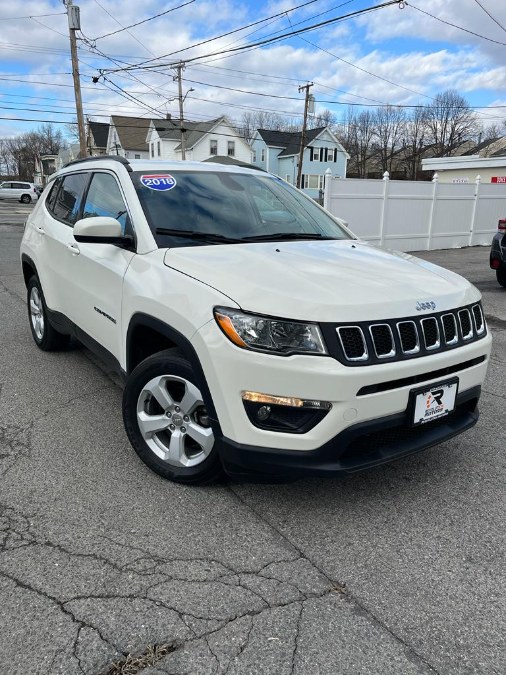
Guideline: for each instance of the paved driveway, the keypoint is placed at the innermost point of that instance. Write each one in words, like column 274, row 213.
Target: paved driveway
column 397, row 571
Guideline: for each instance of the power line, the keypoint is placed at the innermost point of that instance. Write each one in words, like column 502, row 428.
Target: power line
column 231, row 32
column 30, row 16
column 490, row 15
column 453, row 25
column 122, row 27
column 143, row 21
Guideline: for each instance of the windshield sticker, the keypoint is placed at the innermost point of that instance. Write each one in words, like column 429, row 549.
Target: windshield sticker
column 158, row 181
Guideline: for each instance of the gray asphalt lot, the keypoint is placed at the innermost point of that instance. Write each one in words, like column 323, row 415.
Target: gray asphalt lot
column 399, row 570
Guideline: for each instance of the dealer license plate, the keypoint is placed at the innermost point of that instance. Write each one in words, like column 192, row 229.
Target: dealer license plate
column 434, row 402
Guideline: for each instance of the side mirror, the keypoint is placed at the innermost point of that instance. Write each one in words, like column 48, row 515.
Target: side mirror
column 101, row 230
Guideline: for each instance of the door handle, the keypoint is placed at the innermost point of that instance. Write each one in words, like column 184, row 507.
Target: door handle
column 40, row 230
column 74, row 249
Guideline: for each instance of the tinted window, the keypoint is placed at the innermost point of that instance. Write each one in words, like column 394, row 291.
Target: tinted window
column 6, row 185
column 234, row 205
column 105, row 199
column 51, row 198
column 68, row 200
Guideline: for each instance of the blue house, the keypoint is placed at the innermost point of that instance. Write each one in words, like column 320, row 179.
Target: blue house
column 278, row 153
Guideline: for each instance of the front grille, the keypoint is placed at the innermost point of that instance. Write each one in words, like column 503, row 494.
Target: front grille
column 353, row 343
column 369, row 343
column 409, row 337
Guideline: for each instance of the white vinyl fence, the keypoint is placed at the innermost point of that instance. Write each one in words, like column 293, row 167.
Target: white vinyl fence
column 416, row 215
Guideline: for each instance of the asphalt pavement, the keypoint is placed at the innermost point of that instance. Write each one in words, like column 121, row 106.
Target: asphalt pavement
column 398, row 570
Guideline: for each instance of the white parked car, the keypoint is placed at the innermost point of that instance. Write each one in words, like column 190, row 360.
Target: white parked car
column 19, row 190
column 255, row 333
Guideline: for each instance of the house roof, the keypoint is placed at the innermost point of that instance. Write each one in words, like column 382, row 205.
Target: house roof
column 171, row 130
column 100, row 131
column 231, row 161
column 132, row 131
column 288, row 140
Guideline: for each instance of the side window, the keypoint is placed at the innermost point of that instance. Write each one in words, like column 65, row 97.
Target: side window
column 51, row 198
column 68, row 201
column 105, row 199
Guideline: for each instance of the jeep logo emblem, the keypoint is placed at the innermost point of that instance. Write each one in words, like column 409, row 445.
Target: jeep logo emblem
column 420, row 306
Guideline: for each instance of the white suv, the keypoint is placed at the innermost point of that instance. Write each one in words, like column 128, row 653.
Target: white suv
column 16, row 189
column 255, row 333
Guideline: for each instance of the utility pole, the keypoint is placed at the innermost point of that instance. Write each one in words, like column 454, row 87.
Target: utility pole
column 303, row 135
column 73, row 13
column 180, row 67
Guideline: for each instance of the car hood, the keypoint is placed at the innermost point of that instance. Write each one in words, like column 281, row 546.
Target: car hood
column 322, row 280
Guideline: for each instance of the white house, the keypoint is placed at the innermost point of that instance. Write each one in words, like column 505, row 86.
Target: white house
column 464, row 169
column 127, row 137
column 203, row 140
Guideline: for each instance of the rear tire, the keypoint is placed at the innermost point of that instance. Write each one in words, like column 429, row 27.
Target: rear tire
column 501, row 277
column 45, row 336
column 25, row 199
column 167, row 422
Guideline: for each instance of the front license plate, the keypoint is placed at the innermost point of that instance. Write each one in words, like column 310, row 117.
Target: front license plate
column 434, row 402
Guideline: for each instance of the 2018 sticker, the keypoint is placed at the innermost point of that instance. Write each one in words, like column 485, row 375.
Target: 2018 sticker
column 158, row 181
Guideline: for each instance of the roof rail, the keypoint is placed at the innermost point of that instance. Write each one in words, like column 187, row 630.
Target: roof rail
column 115, row 158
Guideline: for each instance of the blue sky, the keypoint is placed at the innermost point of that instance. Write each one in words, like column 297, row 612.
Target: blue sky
column 391, row 55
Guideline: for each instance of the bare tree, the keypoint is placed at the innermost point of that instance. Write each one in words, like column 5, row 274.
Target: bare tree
column 389, row 126
column 450, row 122
column 326, row 118
column 414, row 142
column 357, row 137
column 251, row 121
column 20, row 151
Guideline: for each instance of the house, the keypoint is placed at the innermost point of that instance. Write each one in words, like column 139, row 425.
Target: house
column 466, row 168
column 278, row 153
column 127, row 137
column 96, row 138
column 203, row 140
column 67, row 154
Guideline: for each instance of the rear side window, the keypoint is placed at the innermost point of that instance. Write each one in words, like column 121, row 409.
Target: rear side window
column 105, row 199
column 51, row 198
column 69, row 197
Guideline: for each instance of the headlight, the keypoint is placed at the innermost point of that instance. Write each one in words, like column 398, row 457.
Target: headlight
column 265, row 334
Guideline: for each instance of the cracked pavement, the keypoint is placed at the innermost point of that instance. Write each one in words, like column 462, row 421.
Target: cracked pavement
column 399, row 570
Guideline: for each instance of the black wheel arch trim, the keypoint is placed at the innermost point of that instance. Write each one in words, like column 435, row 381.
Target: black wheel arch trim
column 182, row 343
column 26, row 259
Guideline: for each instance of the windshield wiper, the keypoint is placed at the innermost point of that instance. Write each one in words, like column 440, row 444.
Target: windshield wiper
column 276, row 236
column 201, row 236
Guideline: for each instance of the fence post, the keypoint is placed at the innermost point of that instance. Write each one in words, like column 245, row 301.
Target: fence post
column 435, row 181
column 386, row 183
column 475, row 208
column 326, row 189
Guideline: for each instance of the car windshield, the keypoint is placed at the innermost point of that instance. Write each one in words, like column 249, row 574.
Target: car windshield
column 192, row 208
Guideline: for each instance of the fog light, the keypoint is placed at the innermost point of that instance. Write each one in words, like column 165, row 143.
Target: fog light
column 263, row 413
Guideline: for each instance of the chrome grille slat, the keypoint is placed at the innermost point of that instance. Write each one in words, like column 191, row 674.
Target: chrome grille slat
column 353, row 342
column 430, row 331
column 479, row 321
column 408, row 335
column 383, row 340
column 466, row 325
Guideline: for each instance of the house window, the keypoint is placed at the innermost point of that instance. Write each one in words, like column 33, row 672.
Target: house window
column 137, row 156
column 316, row 154
column 262, row 157
column 288, row 178
column 312, row 181
column 254, row 156
column 158, row 148
column 330, row 155
column 231, row 148
column 152, row 148
column 321, row 182
column 213, row 147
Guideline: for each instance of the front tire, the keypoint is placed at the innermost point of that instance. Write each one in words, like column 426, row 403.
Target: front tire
column 501, row 277
column 167, row 422
column 25, row 199
column 45, row 336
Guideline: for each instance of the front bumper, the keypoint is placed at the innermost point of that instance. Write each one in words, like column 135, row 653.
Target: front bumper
column 358, row 447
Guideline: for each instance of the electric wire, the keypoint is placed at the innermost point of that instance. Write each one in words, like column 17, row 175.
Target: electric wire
column 490, row 15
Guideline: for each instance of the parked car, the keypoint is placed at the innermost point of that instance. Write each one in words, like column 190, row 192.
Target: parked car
column 23, row 192
column 498, row 252
column 255, row 333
